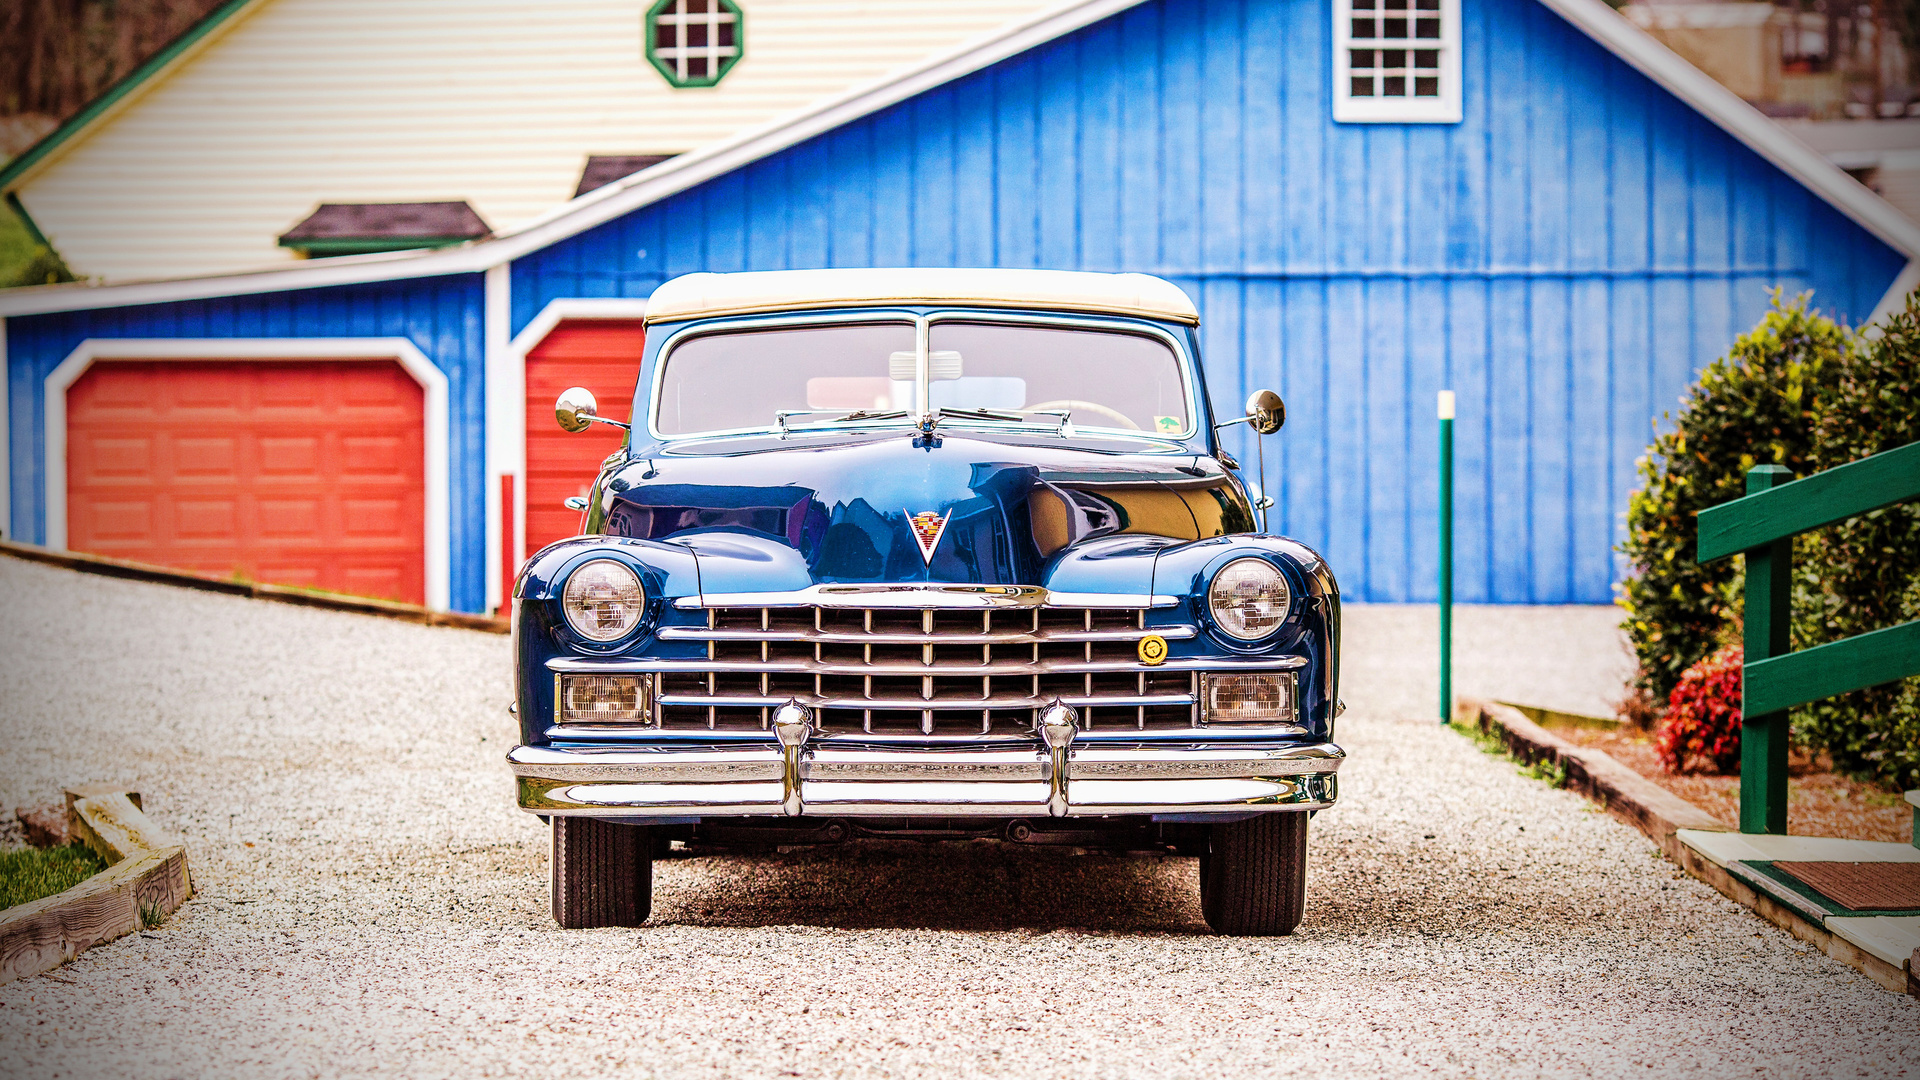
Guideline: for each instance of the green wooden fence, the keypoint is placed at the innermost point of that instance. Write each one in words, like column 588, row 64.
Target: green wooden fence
column 1762, row 526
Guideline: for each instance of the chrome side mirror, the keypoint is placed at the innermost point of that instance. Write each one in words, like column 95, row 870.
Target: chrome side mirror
column 1265, row 411
column 576, row 409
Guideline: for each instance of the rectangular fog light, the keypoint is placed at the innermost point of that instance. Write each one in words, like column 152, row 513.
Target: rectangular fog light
column 605, row 699
column 1247, row 699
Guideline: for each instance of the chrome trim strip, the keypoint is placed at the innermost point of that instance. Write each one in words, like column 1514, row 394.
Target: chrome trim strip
column 1119, row 734
column 543, row 796
column 1000, row 670
column 751, row 762
column 891, row 312
column 998, row 701
column 1187, row 363
column 918, row 595
column 646, row 693
column 992, row 637
column 574, row 665
column 962, row 798
column 1110, row 762
column 831, row 763
column 763, row 760
column 748, row 780
column 1103, row 797
column 874, row 315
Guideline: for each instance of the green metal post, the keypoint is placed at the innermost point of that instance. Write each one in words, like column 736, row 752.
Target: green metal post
column 1446, row 556
column 1768, row 606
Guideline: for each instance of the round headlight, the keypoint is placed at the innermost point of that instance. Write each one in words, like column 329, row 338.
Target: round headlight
column 1249, row 599
column 603, row 600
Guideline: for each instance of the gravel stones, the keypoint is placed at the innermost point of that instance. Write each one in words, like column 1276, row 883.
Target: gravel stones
column 369, row 902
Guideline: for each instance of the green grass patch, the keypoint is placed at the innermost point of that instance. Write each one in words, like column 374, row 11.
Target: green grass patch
column 28, row 874
column 1553, row 772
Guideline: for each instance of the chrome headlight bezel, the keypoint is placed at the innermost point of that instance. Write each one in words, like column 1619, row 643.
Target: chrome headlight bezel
column 622, row 594
column 596, row 699
column 1236, row 627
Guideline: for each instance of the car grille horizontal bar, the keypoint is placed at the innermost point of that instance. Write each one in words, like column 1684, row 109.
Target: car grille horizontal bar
column 941, row 671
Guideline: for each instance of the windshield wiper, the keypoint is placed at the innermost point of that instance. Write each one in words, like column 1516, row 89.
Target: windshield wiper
column 1063, row 418
column 780, row 417
column 862, row 414
column 985, row 414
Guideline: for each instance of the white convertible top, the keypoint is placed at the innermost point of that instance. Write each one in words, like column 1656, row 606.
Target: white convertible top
column 701, row 295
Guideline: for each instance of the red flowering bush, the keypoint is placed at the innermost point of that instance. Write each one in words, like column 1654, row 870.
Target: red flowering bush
column 1703, row 716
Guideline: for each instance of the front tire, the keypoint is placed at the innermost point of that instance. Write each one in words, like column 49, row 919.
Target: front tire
column 602, row 873
column 1253, row 878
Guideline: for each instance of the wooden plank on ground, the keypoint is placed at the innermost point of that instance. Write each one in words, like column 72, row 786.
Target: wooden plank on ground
column 146, row 881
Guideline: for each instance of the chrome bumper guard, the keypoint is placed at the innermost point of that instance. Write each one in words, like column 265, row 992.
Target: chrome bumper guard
column 792, row 778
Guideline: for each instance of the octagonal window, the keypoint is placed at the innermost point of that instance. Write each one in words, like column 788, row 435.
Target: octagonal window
column 694, row 42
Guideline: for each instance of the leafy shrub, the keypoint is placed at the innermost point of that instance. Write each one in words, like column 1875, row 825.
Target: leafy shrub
column 1864, row 573
column 1703, row 716
column 1757, row 405
column 1807, row 394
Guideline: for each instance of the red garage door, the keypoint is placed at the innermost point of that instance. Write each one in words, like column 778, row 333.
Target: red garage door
column 602, row 355
column 292, row 472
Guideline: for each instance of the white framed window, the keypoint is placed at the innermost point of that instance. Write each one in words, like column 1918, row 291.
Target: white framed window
column 1396, row 61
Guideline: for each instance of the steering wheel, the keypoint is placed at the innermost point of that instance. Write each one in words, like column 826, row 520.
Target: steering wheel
column 1076, row 405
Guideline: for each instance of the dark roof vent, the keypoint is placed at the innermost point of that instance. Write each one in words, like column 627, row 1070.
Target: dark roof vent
column 601, row 171
column 359, row 228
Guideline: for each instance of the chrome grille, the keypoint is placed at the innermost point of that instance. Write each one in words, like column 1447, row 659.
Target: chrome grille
column 943, row 671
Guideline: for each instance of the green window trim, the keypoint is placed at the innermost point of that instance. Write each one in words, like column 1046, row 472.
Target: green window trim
column 320, row 249
column 694, row 43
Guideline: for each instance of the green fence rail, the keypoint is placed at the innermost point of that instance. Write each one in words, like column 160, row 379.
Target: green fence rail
column 1774, row 679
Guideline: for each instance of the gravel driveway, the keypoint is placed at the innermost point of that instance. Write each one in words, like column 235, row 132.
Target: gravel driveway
column 370, row 902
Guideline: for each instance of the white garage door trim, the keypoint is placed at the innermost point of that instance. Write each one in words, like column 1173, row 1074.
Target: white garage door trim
column 511, row 390
column 433, row 384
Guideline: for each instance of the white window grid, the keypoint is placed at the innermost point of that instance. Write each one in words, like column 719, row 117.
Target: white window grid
column 1396, row 61
column 695, row 39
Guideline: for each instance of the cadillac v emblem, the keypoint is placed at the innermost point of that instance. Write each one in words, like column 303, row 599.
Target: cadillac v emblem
column 927, row 527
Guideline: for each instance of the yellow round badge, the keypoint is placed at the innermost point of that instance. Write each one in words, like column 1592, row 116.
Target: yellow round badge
column 1153, row 649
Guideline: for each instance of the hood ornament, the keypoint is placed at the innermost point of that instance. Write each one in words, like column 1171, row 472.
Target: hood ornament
column 927, row 528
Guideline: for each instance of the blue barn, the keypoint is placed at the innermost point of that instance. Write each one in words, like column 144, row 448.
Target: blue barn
column 1527, row 201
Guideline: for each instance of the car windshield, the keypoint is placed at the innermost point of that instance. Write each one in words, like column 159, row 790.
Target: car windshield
column 986, row 372
column 1102, row 378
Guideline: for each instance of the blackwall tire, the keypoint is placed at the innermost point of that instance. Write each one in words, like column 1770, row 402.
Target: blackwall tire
column 1253, row 879
column 602, row 873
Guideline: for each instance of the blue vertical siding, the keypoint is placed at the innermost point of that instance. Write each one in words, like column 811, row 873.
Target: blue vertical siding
column 442, row 316
column 1566, row 257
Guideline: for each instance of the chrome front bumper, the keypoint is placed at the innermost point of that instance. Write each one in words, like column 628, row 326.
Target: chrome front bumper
column 833, row 781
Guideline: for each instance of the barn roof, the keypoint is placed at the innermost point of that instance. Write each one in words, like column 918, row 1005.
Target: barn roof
column 392, row 225
column 1592, row 17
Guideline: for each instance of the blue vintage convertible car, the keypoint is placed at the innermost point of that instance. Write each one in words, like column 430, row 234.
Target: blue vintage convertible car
column 930, row 554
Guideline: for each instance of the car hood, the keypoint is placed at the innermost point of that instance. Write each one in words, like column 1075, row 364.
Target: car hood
column 770, row 515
